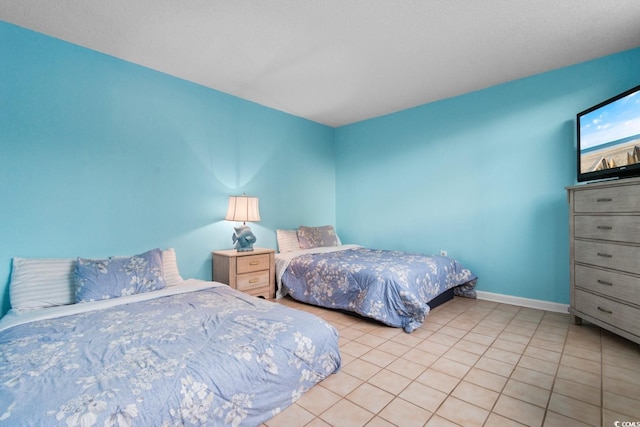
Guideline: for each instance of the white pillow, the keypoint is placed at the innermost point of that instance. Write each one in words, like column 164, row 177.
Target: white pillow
column 170, row 268
column 287, row 240
column 42, row 282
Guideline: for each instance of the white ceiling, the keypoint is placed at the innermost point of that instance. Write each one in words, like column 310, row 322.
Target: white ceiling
column 340, row 61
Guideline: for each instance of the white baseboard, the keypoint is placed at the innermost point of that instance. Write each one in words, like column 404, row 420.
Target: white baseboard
column 524, row 302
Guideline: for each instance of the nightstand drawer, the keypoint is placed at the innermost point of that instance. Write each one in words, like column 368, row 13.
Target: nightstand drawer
column 262, row 292
column 253, row 273
column 249, row 264
column 253, row 280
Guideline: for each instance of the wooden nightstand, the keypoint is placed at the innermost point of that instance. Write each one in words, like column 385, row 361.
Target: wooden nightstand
column 252, row 272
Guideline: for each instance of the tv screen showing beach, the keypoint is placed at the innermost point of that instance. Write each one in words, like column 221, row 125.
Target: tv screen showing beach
column 610, row 135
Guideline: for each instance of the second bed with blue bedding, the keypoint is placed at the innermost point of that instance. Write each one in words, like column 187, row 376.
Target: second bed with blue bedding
column 392, row 287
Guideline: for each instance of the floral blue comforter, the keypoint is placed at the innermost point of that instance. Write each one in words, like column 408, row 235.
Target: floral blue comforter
column 213, row 357
column 390, row 286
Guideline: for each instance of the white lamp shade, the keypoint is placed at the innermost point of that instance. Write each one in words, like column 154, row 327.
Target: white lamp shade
column 243, row 208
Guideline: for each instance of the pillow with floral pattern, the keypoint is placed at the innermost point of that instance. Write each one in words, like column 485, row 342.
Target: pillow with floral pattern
column 316, row 237
column 98, row 279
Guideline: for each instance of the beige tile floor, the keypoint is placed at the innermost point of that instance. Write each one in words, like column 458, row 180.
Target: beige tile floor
column 473, row 363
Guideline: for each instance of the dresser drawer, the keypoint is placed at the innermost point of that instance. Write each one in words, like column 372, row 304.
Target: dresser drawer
column 623, row 228
column 620, row 315
column 608, row 255
column 251, row 263
column 623, row 198
column 250, row 281
column 615, row 285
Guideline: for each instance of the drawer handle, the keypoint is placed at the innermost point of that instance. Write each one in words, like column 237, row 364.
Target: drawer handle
column 602, row 282
column 254, row 262
column 605, row 255
column 254, row 280
column 604, row 310
column 604, row 227
column 605, row 199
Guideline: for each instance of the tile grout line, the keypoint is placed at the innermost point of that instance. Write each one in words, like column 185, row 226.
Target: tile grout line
column 545, row 337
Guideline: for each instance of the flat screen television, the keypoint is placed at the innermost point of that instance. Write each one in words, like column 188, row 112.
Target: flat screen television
column 609, row 138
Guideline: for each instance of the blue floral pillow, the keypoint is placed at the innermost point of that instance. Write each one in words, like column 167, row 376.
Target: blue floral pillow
column 98, row 279
column 316, row 237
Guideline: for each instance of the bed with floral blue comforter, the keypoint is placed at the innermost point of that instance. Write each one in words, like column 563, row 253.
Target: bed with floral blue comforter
column 389, row 286
column 204, row 356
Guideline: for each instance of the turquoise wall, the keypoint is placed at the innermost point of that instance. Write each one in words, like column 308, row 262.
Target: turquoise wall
column 481, row 175
column 103, row 157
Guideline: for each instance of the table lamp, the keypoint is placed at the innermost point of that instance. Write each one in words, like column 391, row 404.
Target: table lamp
column 242, row 209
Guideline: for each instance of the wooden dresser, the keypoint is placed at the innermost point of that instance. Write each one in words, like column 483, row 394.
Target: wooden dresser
column 252, row 272
column 604, row 226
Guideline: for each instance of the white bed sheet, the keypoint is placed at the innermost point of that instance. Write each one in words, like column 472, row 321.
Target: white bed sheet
column 13, row 317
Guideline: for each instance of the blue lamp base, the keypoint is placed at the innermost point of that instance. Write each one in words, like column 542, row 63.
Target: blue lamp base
column 243, row 238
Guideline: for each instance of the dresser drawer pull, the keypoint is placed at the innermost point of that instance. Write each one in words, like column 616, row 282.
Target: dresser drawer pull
column 254, row 262
column 602, row 282
column 604, row 227
column 605, row 255
column 604, row 199
column 604, row 310
column 254, row 280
